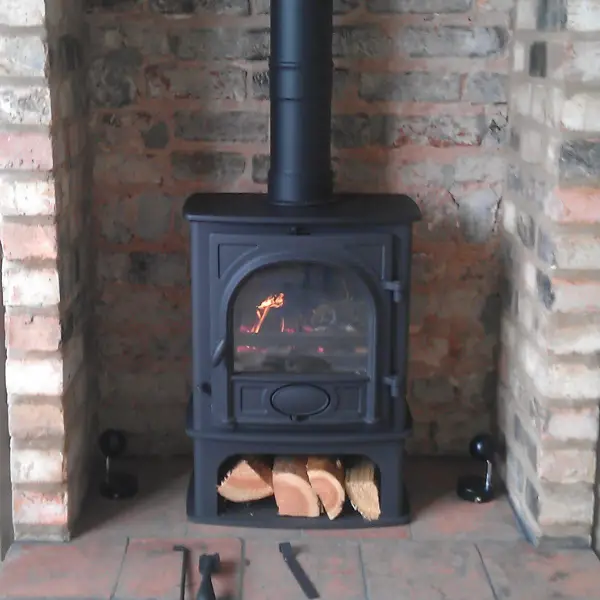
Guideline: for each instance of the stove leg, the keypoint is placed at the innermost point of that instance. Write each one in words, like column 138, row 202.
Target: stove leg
column 391, row 491
column 206, row 470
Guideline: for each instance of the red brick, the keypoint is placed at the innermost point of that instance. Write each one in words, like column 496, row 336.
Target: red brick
column 576, row 205
column 32, row 332
column 40, row 508
column 122, row 169
column 429, row 350
column 573, row 295
column 78, row 570
column 39, row 465
column 569, row 465
column 152, row 568
column 27, row 198
column 28, row 421
column 571, row 424
column 27, row 284
column 26, row 151
column 21, row 240
column 35, row 376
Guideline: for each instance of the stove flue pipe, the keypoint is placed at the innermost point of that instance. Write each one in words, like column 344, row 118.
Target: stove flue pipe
column 301, row 73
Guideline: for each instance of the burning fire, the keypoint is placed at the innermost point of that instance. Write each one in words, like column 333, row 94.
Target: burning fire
column 262, row 310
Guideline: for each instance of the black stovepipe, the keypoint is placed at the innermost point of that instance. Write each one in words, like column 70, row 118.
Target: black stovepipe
column 301, row 74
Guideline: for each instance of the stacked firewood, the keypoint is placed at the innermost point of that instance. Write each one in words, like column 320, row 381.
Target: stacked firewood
column 305, row 486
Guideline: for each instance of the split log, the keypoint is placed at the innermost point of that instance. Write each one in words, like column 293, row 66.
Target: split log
column 250, row 479
column 362, row 489
column 327, row 479
column 294, row 495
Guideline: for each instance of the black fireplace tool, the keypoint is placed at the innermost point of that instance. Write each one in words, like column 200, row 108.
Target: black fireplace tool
column 208, row 565
column 297, row 571
column 475, row 488
column 185, row 560
column 115, row 485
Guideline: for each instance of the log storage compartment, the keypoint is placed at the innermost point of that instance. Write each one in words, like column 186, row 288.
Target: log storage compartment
column 300, row 302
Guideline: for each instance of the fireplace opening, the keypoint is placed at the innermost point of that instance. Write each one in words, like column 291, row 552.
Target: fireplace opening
column 302, row 318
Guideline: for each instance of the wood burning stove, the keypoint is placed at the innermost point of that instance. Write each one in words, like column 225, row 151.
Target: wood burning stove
column 300, row 300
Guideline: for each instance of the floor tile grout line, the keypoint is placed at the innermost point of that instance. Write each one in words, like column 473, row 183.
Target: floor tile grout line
column 240, row 594
column 485, row 570
column 362, row 570
column 52, row 598
column 120, row 570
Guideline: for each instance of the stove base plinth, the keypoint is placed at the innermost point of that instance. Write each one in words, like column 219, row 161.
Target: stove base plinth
column 263, row 514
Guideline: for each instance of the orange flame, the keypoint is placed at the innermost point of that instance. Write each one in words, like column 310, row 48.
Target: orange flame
column 262, row 310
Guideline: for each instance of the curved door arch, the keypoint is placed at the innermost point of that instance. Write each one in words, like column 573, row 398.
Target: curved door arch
column 301, row 310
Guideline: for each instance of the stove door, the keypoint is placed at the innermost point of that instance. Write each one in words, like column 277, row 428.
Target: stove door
column 300, row 328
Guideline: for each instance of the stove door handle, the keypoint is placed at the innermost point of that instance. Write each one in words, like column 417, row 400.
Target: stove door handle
column 219, row 353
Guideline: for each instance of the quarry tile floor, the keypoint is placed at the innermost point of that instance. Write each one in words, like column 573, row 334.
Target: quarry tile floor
column 452, row 550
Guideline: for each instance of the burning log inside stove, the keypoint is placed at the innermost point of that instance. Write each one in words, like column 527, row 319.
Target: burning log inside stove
column 305, row 487
column 334, row 316
column 288, row 336
column 263, row 309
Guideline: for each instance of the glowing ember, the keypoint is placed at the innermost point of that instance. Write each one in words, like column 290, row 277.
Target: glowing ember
column 253, row 349
column 242, row 349
column 262, row 310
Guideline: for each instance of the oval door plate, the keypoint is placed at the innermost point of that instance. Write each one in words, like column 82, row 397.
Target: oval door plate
column 300, row 400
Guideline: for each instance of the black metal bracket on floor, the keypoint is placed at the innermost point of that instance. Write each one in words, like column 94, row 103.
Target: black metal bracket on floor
column 185, row 559
column 297, row 571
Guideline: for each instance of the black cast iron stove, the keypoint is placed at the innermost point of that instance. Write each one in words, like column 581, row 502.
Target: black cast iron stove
column 300, row 301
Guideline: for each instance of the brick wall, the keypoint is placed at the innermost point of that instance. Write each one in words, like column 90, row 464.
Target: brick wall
column 6, row 518
column 179, row 91
column 551, row 328
column 46, row 266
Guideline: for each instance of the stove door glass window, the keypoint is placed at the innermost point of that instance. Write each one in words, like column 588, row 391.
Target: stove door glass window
column 302, row 318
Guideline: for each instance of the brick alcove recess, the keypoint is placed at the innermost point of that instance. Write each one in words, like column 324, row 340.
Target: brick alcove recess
column 114, row 110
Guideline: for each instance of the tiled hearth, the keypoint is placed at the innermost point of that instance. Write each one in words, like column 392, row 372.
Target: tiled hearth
column 465, row 551
column 483, row 111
